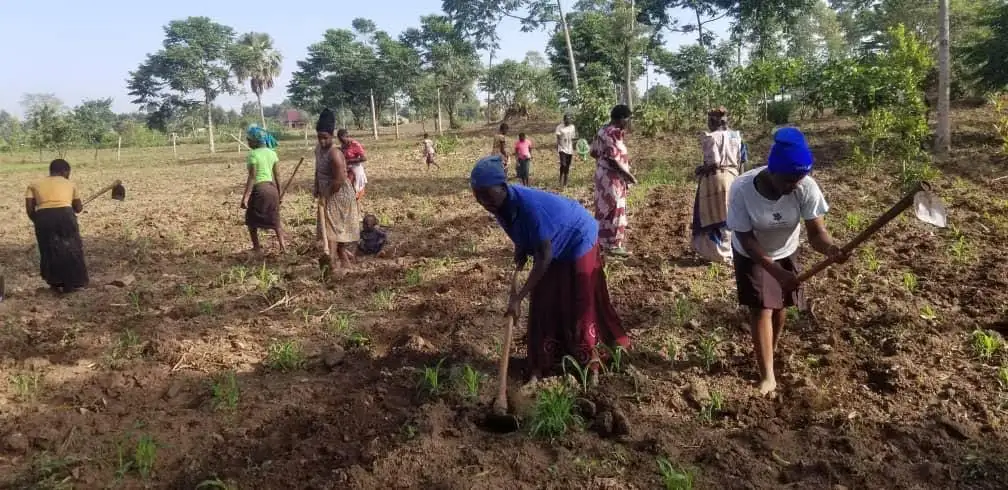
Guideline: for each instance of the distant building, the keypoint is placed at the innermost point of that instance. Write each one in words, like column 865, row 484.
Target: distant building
column 292, row 118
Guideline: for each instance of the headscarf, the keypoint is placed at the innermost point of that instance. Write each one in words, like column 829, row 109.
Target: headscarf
column 488, row 172
column 326, row 122
column 260, row 135
column 789, row 154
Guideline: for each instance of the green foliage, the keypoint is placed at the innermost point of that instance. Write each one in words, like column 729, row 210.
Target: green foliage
column 431, row 380
column 225, row 391
column 49, row 125
column 779, row 112
column 712, row 407
column 26, row 386
column 469, row 381
column 986, row 343
column 708, row 347
column 284, row 356
column 910, row 281
column 674, row 478
column 518, row 87
column 583, row 372
column 554, row 412
column 94, row 120
column 194, row 58
column 253, row 58
column 447, row 57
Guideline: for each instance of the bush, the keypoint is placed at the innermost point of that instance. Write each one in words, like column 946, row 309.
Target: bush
column 779, row 112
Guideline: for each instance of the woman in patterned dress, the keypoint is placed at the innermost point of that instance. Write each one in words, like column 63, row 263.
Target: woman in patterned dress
column 336, row 194
column 612, row 181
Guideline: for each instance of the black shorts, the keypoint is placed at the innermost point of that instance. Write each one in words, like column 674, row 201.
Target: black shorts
column 758, row 289
column 565, row 161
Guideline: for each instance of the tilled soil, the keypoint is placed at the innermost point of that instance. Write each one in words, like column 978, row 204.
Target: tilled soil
column 880, row 386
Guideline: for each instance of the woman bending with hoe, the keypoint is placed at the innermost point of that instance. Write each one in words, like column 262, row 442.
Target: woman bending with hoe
column 52, row 204
column 333, row 188
column 766, row 208
column 261, row 200
column 569, row 308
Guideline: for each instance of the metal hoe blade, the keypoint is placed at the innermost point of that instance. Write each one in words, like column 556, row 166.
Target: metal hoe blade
column 930, row 209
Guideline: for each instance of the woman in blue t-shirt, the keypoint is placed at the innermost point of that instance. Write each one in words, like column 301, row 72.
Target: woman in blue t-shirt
column 569, row 308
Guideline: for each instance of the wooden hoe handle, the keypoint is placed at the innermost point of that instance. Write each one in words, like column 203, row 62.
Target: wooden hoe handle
column 867, row 233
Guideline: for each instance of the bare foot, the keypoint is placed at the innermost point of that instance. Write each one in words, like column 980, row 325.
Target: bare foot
column 767, row 387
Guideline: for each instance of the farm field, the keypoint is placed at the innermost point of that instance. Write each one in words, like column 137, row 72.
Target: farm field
column 191, row 363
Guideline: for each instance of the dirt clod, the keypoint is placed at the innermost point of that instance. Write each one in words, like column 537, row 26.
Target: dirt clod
column 17, row 443
column 123, row 281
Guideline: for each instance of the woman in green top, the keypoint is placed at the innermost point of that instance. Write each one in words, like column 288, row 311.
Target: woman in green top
column 261, row 200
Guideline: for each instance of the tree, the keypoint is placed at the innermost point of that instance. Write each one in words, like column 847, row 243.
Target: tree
column 47, row 123
column 943, row 135
column 478, row 19
column 448, row 57
column 193, row 60
column 989, row 56
column 253, row 58
column 11, row 132
column 600, row 37
column 345, row 67
column 94, row 120
column 517, row 86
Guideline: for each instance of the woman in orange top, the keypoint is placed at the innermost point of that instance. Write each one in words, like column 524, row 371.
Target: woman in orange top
column 52, row 204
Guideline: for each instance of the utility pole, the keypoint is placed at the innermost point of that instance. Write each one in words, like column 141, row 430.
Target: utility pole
column 943, row 137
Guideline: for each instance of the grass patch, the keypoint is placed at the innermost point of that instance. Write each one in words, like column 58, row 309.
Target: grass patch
column 140, row 460
column 985, row 344
column 125, row 345
column 430, row 382
column 339, row 323
column 469, row 382
column 284, row 356
column 675, row 478
column 225, row 391
column 910, row 282
column 713, row 407
column 708, row 347
column 26, row 386
column 414, row 276
column 870, row 259
column 356, row 340
column 383, row 300
column 554, row 413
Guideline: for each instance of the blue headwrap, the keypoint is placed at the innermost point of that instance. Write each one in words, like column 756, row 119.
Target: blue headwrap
column 255, row 133
column 488, row 172
column 789, row 154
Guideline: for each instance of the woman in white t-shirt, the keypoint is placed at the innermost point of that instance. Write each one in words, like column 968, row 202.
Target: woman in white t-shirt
column 766, row 208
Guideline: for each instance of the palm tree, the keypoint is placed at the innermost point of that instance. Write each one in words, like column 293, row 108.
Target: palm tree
column 257, row 61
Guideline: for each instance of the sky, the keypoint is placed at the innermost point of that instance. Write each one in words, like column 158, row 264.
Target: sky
column 85, row 50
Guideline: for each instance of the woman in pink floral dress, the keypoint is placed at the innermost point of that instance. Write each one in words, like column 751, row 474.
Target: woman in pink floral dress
column 612, row 181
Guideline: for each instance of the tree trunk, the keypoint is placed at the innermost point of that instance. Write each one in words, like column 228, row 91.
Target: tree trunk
column 943, row 137
column 489, row 99
column 262, row 115
column 629, row 57
column 96, row 153
column 209, row 118
column 570, row 47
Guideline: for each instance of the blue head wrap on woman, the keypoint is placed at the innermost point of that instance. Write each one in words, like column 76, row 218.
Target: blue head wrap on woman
column 488, row 172
column 790, row 154
column 260, row 135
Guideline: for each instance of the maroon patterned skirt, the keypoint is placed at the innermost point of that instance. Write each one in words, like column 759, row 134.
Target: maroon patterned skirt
column 570, row 314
